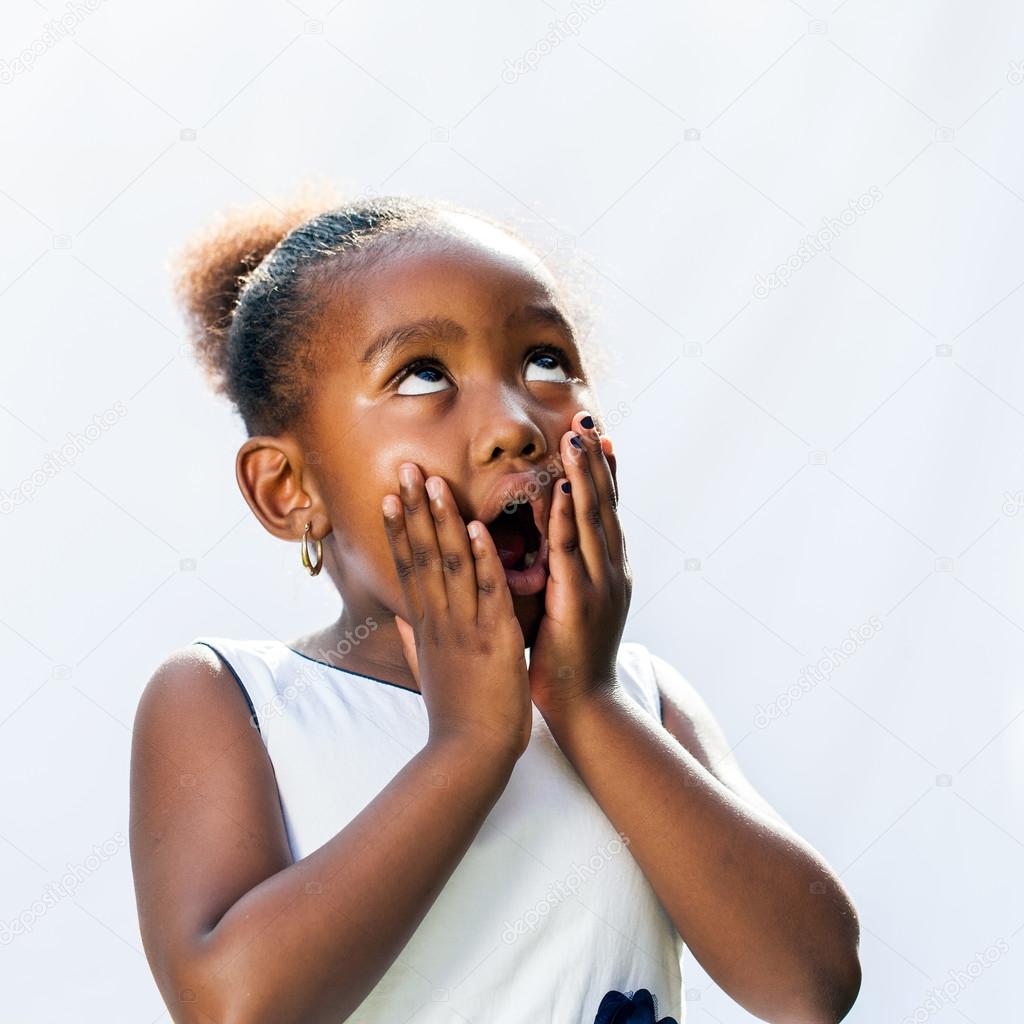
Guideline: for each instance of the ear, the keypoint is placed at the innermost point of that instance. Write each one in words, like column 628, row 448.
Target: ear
column 279, row 488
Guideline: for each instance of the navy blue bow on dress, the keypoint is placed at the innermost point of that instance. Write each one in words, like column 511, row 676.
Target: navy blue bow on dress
column 618, row 1008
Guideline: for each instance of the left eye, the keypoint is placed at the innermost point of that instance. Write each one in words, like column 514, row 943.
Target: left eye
column 421, row 376
column 424, row 379
column 553, row 364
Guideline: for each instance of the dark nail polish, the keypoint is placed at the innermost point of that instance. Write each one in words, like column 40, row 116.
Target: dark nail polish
column 566, row 487
column 575, row 441
column 587, row 423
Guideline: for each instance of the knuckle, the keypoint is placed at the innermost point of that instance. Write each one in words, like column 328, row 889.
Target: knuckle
column 486, row 586
column 569, row 545
column 453, row 563
column 422, row 557
column 592, row 516
column 405, row 567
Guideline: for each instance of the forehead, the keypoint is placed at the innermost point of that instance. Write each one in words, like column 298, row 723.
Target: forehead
column 468, row 271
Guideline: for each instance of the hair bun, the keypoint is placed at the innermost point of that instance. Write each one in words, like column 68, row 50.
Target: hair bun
column 211, row 268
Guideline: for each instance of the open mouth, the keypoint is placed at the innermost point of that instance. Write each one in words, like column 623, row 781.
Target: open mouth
column 522, row 549
column 516, row 537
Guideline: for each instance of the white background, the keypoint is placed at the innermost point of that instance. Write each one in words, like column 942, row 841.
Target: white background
column 849, row 445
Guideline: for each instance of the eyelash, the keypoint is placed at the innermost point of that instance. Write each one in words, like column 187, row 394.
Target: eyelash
column 424, row 361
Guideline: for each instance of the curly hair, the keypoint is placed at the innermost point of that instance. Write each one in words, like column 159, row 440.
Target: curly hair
column 252, row 282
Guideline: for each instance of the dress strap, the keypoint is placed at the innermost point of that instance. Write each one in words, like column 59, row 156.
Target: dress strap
column 244, row 659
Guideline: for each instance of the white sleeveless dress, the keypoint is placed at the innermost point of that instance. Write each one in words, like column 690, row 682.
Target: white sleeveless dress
column 546, row 913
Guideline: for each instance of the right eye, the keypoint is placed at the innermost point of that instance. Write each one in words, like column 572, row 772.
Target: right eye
column 421, row 377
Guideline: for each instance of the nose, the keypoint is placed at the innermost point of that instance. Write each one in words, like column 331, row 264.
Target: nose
column 507, row 429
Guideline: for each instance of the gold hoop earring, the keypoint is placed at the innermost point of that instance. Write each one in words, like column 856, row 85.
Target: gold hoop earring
column 313, row 569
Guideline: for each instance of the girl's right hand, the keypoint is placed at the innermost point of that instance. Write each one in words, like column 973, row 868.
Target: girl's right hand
column 466, row 648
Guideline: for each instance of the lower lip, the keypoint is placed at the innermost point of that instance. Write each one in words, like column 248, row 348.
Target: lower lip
column 524, row 582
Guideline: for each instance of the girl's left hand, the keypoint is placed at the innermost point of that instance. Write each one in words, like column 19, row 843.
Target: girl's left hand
column 589, row 583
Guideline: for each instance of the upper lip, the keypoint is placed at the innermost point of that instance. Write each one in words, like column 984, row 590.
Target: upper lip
column 517, row 489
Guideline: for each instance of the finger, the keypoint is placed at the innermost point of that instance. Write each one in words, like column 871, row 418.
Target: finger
column 408, row 637
column 565, row 563
column 494, row 599
column 419, row 524
column 589, row 527
column 401, row 552
column 605, row 485
column 609, row 454
column 453, row 543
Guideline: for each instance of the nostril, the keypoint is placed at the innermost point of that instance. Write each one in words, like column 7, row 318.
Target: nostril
column 529, row 449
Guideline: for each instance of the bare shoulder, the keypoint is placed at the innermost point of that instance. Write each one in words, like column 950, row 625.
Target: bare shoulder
column 205, row 823
column 192, row 711
column 688, row 717
column 187, row 675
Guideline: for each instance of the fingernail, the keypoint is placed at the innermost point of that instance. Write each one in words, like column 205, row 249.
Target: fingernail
column 406, row 475
column 474, row 530
column 587, row 423
column 575, row 441
column 566, row 487
column 434, row 488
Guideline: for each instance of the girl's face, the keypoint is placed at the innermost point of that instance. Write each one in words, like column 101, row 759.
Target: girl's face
column 457, row 356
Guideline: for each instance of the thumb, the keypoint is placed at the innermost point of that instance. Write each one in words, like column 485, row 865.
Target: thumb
column 408, row 646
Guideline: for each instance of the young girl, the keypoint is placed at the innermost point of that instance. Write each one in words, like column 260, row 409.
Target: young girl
column 466, row 799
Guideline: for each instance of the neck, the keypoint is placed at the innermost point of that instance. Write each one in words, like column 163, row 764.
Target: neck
column 366, row 640
column 366, row 643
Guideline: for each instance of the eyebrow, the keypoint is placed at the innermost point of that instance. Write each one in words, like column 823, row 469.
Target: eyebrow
column 442, row 328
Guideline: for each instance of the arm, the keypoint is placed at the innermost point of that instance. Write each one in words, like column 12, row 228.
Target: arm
column 761, row 910
column 233, row 929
